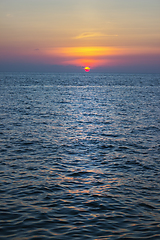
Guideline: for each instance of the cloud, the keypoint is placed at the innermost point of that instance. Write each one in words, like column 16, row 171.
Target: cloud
column 93, row 34
column 8, row 15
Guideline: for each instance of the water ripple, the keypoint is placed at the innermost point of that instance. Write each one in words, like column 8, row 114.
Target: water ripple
column 79, row 156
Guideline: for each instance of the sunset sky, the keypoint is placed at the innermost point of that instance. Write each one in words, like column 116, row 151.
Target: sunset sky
column 68, row 35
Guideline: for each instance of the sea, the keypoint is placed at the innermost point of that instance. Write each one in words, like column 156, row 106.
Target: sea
column 79, row 156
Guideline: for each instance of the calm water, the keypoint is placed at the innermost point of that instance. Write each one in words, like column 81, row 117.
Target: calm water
column 79, row 156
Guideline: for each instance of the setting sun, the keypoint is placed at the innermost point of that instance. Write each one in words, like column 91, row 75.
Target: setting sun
column 87, row 69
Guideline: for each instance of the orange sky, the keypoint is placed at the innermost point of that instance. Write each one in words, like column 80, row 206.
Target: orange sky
column 97, row 33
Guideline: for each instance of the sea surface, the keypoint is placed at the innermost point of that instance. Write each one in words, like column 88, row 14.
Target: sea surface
column 79, row 156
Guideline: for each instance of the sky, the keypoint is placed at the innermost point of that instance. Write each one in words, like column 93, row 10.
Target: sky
column 68, row 35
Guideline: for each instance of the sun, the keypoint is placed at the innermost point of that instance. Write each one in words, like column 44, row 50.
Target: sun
column 87, row 69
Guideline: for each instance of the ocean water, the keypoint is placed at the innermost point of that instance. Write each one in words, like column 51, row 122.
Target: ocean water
column 79, row 156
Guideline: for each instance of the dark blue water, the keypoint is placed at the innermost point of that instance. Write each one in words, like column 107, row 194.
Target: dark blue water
column 80, row 156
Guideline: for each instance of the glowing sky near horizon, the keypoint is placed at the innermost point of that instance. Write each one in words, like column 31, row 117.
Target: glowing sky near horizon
column 94, row 33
